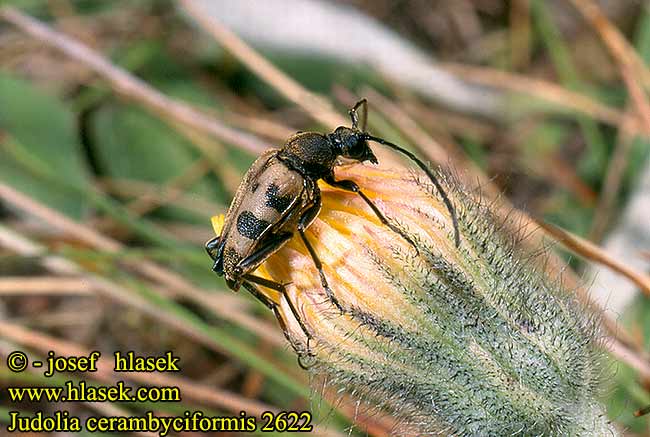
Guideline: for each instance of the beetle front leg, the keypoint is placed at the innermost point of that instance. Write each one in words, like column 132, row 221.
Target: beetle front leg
column 352, row 186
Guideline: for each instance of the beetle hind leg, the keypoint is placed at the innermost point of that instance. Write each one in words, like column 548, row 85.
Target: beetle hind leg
column 281, row 289
column 252, row 289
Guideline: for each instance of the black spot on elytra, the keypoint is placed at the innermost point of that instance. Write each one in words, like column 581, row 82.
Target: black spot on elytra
column 275, row 201
column 255, row 186
column 250, row 226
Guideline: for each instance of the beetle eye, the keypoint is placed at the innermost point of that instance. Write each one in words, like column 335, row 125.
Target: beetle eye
column 357, row 148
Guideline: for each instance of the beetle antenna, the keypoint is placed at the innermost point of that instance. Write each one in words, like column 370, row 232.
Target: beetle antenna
column 432, row 177
column 354, row 115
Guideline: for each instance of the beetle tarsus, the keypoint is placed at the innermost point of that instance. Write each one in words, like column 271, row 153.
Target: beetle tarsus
column 306, row 365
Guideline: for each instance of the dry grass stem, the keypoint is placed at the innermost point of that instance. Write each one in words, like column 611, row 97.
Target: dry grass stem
column 520, row 34
column 129, row 188
column 116, row 292
column 44, row 285
column 130, row 86
column 171, row 191
column 147, row 268
column 638, row 97
column 564, row 174
column 590, row 251
column 616, row 167
column 426, row 145
column 540, row 89
column 631, row 66
column 317, row 107
column 260, row 126
column 213, row 153
column 458, row 124
column 629, row 356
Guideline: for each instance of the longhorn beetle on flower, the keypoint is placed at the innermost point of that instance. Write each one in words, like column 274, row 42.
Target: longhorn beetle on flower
column 279, row 196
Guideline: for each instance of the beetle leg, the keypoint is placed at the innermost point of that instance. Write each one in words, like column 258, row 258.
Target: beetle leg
column 319, row 266
column 281, row 289
column 305, row 220
column 271, row 245
column 252, row 289
column 352, row 186
column 252, row 261
column 212, row 247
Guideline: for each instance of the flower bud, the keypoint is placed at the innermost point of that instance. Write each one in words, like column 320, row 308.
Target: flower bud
column 464, row 341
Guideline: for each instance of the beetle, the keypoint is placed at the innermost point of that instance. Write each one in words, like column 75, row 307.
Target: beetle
column 279, row 195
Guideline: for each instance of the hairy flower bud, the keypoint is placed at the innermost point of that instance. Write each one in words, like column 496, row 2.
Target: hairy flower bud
column 454, row 341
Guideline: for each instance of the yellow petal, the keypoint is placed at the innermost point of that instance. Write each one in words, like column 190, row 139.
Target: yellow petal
column 217, row 223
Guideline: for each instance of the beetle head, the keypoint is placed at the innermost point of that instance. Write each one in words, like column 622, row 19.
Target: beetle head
column 353, row 144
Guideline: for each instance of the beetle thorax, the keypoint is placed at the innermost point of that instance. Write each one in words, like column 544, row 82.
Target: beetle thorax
column 310, row 153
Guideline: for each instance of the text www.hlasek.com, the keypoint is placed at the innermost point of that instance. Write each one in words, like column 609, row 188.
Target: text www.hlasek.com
column 82, row 392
